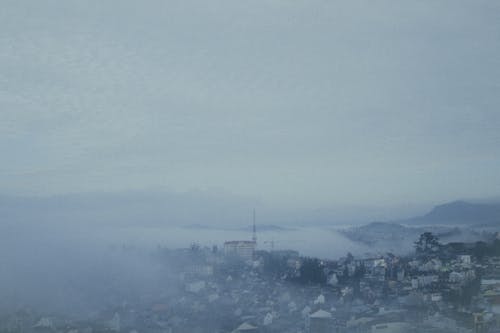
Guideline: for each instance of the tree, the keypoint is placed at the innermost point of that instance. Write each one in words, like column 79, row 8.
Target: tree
column 480, row 250
column 427, row 244
column 273, row 264
column 312, row 271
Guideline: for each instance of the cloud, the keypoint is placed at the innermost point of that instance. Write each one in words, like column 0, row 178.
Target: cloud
column 323, row 99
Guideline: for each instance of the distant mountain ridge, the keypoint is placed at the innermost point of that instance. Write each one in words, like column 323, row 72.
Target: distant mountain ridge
column 460, row 213
column 460, row 221
column 128, row 208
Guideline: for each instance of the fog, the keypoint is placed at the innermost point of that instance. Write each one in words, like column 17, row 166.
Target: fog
column 78, row 269
column 138, row 138
column 67, row 271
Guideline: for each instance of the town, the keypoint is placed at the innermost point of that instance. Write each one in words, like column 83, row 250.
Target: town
column 452, row 287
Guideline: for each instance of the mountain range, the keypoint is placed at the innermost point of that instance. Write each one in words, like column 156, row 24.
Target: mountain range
column 220, row 209
column 459, row 213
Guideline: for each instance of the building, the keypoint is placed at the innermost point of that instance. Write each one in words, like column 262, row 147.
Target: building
column 247, row 328
column 242, row 249
column 320, row 321
column 394, row 327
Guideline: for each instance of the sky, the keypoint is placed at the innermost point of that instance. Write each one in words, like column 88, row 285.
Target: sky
column 295, row 103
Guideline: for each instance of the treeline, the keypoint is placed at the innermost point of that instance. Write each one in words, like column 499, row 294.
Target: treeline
column 479, row 250
column 285, row 266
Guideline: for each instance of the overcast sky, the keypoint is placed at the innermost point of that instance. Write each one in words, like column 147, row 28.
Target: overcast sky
column 307, row 103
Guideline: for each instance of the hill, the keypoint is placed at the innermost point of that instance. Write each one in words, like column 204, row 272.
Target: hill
column 460, row 213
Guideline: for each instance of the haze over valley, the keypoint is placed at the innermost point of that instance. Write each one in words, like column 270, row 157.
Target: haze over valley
column 174, row 166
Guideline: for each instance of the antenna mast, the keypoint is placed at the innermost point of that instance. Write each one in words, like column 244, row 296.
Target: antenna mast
column 254, row 235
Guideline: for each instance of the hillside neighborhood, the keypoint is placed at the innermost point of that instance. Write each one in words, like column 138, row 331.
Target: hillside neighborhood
column 452, row 287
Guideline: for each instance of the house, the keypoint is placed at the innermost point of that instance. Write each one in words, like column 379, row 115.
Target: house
column 320, row 321
column 394, row 327
column 246, row 328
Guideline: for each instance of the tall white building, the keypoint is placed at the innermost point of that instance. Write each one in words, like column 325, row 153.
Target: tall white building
column 242, row 249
